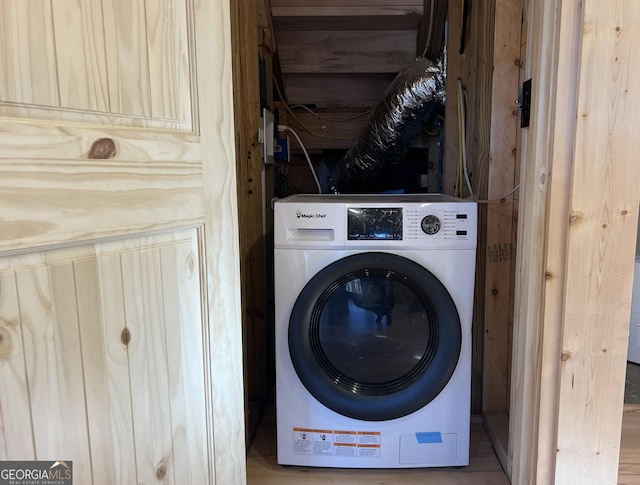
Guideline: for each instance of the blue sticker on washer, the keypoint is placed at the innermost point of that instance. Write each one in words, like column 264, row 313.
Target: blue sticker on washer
column 429, row 437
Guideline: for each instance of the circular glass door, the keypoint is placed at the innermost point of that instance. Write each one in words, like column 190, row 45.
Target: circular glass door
column 374, row 336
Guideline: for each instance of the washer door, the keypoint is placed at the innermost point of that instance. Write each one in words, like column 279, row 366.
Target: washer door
column 374, row 336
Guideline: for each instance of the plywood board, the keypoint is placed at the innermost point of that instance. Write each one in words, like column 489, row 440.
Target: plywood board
column 501, row 181
column 320, row 133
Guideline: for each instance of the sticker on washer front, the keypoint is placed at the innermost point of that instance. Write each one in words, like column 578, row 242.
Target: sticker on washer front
column 369, row 443
column 309, row 441
column 313, row 441
column 345, row 443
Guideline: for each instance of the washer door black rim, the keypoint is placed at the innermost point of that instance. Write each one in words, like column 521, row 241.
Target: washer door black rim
column 348, row 399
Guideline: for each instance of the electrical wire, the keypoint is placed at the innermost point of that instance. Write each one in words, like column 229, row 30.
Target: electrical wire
column 320, row 117
column 313, row 171
column 501, row 199
column 463, row 173
column 427, row 42
column 305, row 127
column 463, row 135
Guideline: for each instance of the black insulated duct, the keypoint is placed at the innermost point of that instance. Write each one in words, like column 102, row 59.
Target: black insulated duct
column 401, row 115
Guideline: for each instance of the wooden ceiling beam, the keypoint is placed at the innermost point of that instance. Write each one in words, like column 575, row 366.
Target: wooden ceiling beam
column 331, row 90
column 347, row 19
column 346, row 51
column 347, row 15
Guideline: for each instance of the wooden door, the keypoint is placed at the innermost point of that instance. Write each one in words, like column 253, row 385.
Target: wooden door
column 120, row 340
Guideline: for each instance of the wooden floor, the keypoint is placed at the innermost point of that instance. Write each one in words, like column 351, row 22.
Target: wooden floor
column 262, row 468
column 483, row 469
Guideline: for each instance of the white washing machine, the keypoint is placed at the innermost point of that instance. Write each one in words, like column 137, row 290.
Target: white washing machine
column 373, row 309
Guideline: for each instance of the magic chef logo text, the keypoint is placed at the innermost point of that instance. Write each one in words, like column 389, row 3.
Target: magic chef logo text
column 302, row 215
column 36, row 473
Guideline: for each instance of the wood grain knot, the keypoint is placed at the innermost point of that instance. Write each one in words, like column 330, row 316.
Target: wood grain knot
column 566, row 355
column 575, row 217
column 161, row 472
column 125, row 336
column 5, row 343
column 192, row 264
column 102, row 149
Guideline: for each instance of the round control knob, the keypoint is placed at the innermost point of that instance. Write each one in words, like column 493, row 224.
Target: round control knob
column 430, row 224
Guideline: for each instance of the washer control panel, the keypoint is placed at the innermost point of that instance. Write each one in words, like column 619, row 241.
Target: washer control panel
column 440, row 222
column 416, row 221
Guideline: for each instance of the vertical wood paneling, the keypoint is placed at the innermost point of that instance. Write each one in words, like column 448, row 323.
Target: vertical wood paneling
column 181, row 298
column 27, row 53
column 148, row 70
column 105, row 365
column 161, row 42
column 118, row 390
column 127, row 57
column 16, row 431
column 166, row 39
column 147, row 351
column 69, row 379
column 90, row 57
column 80, row 54
column 122, row 413
column 54, row 365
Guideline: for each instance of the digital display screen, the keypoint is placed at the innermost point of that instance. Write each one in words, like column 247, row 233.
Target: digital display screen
column 374, row 223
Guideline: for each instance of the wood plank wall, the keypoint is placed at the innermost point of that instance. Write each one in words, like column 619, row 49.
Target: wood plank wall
column 460, row 65
column 488, row 68
column 500, row 212
column 252, row 39
column 578, row 241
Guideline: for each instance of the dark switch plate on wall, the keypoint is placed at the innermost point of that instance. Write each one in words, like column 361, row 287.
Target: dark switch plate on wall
column 525, row 104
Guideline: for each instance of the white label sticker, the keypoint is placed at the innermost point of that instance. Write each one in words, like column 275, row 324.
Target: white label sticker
column 324, row 442
column 313, row 441
column 369, row 443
